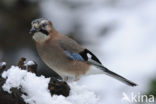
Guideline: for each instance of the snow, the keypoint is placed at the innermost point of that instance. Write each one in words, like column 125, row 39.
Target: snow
column 30, row 63
column 3, row 63
column 80, row 94
column 13, row 80
column 36, row 89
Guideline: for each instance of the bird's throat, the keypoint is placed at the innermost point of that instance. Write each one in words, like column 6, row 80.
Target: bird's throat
column 40, row 37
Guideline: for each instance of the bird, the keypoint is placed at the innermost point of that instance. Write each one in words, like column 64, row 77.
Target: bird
column 65, row 56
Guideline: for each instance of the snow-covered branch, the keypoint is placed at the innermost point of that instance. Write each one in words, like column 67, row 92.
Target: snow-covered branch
column 20, row 84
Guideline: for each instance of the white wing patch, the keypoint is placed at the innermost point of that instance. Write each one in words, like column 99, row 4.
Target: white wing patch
column 89, row 55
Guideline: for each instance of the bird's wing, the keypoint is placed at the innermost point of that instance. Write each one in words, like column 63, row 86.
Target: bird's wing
column 75, row 52
column 84, row 55
column 90, row 58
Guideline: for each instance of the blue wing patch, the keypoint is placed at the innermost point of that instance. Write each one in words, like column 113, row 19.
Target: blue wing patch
column 74, row 56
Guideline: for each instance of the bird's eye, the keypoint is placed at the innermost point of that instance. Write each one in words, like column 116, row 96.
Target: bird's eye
column 44, row 25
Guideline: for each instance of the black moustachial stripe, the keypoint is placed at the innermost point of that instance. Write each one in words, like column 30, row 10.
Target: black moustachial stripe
column 44, row 31
column 84, row 55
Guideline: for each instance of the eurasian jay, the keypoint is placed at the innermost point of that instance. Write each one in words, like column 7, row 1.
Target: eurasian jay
column 64, row 55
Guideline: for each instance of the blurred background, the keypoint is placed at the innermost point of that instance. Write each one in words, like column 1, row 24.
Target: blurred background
column 122, row 33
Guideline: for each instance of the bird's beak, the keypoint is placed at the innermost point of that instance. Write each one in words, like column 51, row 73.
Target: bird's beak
column 33, row 30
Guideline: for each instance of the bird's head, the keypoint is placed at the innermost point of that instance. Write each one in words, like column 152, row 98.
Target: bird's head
column 41, row 28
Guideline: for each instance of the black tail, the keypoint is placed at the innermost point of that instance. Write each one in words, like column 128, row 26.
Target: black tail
column 117, row 76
